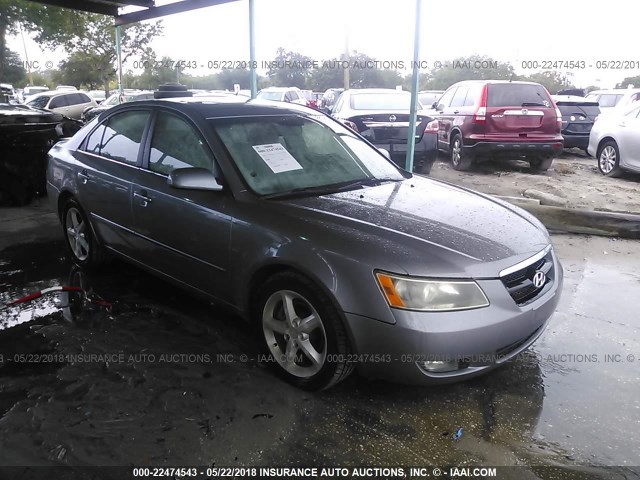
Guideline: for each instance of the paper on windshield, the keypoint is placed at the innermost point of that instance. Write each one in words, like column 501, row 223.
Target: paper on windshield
column 277, row 158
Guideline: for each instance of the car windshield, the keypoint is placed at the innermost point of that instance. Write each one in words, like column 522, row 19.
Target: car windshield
column 284, row 154
column 38, row 102
column 269, row 95
column 381, row 101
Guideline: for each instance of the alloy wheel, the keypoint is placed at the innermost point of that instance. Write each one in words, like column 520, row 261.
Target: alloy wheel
column 456, row 152
column 294, row 333
column 607, row 159
column 77, row 234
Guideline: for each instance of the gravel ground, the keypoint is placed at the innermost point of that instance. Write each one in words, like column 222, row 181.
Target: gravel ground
column 573, row 176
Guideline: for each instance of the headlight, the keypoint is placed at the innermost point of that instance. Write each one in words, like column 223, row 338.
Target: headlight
column 431, row 295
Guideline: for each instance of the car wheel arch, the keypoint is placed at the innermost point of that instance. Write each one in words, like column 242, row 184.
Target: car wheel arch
column 454, row 131
column 264, row 272
column 63, row 198
column 601, row 143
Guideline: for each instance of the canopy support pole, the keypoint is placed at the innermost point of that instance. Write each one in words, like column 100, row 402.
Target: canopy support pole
column 411, row 137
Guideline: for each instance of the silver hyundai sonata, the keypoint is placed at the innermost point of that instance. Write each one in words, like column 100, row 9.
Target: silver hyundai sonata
column 339, row 258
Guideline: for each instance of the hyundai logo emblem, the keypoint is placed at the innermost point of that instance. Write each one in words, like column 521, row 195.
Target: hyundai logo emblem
column 539, row 279
column 392, row 118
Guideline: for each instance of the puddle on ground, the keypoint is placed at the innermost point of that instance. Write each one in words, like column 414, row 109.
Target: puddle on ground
column 156, row 378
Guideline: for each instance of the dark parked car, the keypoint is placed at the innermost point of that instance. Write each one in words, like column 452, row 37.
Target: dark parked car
column 482, row 118
column 578, row 116
column 382, row 116
column 293, row 221
column 26, row 135
column 90, row 113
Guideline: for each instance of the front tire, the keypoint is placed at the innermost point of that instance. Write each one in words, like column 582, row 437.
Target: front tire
column 81, row 242
column 461, row 160
column 609, row 159
column 303, row 332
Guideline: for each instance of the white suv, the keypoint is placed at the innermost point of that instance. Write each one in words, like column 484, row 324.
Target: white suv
column 618, row 98
column 67, row 103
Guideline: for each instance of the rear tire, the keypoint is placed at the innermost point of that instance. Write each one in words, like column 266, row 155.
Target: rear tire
column 461, row 159
column 609, row 159
column 303, row 332
column 85, row 250
column 540, row 164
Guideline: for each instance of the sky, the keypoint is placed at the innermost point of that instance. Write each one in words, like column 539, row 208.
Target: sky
column 514, row 31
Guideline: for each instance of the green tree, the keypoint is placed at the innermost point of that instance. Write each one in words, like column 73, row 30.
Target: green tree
column 551, row 80
column 95, row 46
column 475, row 67
column 13, row 73
column 635, row 81
column 47, row 22
column 85, row 69
column 289, row 69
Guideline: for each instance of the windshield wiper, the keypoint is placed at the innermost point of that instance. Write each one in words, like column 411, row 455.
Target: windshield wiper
column 332, row 188
column 533, row 104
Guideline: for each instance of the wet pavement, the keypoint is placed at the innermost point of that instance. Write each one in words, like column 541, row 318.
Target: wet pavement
column 137, row 372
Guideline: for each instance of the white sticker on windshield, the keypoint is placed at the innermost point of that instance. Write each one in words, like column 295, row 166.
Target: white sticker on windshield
column 277, row 157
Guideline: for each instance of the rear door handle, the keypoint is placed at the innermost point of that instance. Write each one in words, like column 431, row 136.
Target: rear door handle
column 84, row 178
column 142, row 197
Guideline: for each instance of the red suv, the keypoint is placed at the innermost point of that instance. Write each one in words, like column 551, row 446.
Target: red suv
column 498, row 118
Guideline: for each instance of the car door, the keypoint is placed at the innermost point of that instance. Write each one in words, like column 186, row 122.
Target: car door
column 59, row 104
column 628, row 138
column 108, row 163
column 445, row 121
column 184, row 234
column 77, row 103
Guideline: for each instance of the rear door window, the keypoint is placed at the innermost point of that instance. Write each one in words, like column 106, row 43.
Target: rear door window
column 517, row 95
column 122, row 136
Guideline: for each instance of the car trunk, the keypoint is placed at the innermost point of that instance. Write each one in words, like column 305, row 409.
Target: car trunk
column 577, row 116
column 519, row 110
column 388, row 127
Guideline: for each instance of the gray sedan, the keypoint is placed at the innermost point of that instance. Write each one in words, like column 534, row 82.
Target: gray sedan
column 615, row 141
column 340, row 259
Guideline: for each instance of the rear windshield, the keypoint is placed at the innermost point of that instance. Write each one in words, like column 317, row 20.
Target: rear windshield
column 517, row 95
column 609, row 99
column 381, row 101
column 277, row 96
column 571, row 108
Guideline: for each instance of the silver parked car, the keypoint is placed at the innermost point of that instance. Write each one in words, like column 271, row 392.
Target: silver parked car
column 615, row 142
column 295, row 222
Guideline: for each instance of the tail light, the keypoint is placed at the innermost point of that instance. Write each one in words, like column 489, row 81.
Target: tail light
column 559, row 119
column 596, row 119
column 432, row 127
column 480, row 117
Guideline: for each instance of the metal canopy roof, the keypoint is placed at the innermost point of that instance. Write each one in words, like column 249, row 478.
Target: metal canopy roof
column 110, row 7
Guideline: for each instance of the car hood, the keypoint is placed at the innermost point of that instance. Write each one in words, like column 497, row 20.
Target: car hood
column 426, row 227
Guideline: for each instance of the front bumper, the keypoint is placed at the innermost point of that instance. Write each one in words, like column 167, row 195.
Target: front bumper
column 486, row 337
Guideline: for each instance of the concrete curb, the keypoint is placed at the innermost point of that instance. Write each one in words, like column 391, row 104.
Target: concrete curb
column 573, row 220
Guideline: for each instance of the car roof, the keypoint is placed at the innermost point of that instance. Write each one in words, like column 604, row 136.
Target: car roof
column 222, row 106
column 374, row 90
column 54, row 93
column 278, row 89
column 515, row 82
column 618, row 91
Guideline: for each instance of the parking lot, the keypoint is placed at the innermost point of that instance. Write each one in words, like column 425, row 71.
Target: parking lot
column 138, row 372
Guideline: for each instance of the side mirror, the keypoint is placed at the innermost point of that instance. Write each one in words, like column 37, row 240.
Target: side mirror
column 193, row 179
column 434, row 105
column 385, row 152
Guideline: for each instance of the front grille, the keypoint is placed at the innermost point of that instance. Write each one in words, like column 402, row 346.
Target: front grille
column 520, row 285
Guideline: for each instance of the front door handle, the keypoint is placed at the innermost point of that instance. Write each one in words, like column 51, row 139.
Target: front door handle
column 142, row 197
column 83, row 176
